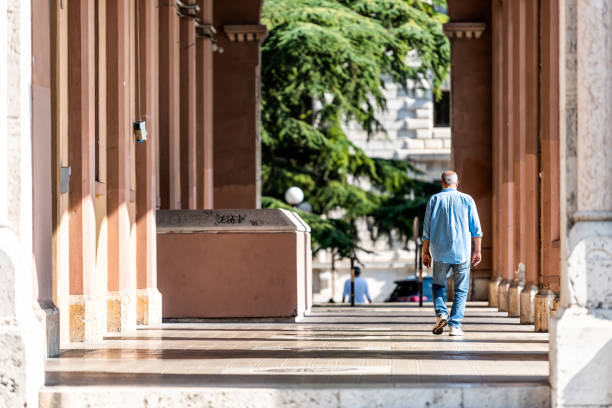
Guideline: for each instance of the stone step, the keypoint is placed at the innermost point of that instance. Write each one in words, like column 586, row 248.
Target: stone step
column 366, row 395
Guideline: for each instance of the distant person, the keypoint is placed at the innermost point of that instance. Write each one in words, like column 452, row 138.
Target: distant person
column 361, row 288
column 451, row 222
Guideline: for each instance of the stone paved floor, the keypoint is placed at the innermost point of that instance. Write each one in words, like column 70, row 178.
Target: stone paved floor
column 375, row 345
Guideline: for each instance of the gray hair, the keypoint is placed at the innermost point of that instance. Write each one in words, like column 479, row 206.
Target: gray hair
column 449, row 177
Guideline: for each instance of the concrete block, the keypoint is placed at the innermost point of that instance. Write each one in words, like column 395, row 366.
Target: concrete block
column 418, row 123
column 148, row 307
column 433, row 144
column 544, row 304
column 581, row 357
column 49, row 318
column 493, row 286
column 121, row 312
column 423, row 133
column 414, row 144
column 502, row 295
column 442, row 132
column 447, row 143
column 85, row 324
column 514, row 298
column 423, row 113
column 528, row 304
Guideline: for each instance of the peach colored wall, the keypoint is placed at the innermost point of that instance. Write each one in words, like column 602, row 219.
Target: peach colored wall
column 230, row 274
column 472, row 120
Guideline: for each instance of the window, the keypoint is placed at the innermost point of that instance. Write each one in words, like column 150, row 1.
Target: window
column 442, row 110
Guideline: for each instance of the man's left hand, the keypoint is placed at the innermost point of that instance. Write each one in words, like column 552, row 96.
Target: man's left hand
column 476, row 258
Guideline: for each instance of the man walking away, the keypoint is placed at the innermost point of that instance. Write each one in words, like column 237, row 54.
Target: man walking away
column 361, row 288
column 451, row 222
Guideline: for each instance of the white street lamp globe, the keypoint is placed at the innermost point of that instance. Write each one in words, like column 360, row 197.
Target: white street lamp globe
column 305, row 206
column 294, row 195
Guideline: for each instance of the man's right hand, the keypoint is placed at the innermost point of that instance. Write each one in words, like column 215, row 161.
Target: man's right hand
column 427, row 259
column 476, row 258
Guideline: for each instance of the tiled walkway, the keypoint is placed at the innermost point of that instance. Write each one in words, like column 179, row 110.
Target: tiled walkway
column 373, row 347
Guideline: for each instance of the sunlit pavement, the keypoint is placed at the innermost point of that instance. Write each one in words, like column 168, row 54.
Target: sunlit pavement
column 375, row 355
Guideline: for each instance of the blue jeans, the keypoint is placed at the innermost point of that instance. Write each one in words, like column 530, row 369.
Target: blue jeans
column 461, row 274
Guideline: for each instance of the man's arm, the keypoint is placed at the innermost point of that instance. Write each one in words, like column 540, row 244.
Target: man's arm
column 476, row 232
column 476, row 256
column 367, row 292
column 426, row 256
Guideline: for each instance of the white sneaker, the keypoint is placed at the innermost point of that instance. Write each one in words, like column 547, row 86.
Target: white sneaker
column 441, row 322
column 456, row 331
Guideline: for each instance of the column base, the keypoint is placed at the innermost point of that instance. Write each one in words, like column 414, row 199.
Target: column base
column 581, row 357
column 121, row 312
column 544, row 304
column 149, row 307
column 21, row 362
column 479, row 286
column 48, row 316
column 502, row 295
column 514, row 298
column 493, row 291
column 85, row 324
column 528, row 304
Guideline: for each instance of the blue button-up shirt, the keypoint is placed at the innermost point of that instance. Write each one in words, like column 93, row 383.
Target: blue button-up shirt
column 361, row 290
column 451, row 220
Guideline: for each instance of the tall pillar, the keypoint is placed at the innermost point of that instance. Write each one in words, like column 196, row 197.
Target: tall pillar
column 518, row 139
column 507, row 193
column 471, row 120
column 84, row 309
column 581, row 331
column 550, row 229
column 237, row 142
column 187, row 115
column 497, row 130
column 531, row 159
column 121, row 276
column 204, row 107
column 42, row 217
column 22, row 351
column 169, row 125
column 148, row 297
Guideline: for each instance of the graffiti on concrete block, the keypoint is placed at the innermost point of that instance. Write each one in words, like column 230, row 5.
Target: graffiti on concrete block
column 230, row 218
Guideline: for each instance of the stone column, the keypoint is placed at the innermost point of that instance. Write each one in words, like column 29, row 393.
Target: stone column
column 21, row 335
column 84, row 308
column 187, row 114
column 204, row 107
column 121, row 276
column 169, row 125
column 237, row 142
column 507, row 193
column 549, row 158
column 42, row 208
column 497, row 128
column 471, row 106
column 148, row 297
column 518, row 140
column 581, row 331
column 531, row 180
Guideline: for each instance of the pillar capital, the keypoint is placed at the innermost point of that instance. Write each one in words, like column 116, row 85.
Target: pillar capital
column 249, row 32
column 467, row 30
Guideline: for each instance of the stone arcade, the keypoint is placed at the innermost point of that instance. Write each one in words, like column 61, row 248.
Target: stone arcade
column 531, row 116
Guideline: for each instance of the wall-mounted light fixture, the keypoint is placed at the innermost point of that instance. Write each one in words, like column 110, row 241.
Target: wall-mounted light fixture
column 140, row 131
column 204, row 30
column 186, row 10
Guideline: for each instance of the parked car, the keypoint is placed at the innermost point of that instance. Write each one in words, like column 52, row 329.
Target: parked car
column 407, row 290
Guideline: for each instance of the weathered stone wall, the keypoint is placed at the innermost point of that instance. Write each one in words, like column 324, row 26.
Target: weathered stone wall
column 21, row 346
